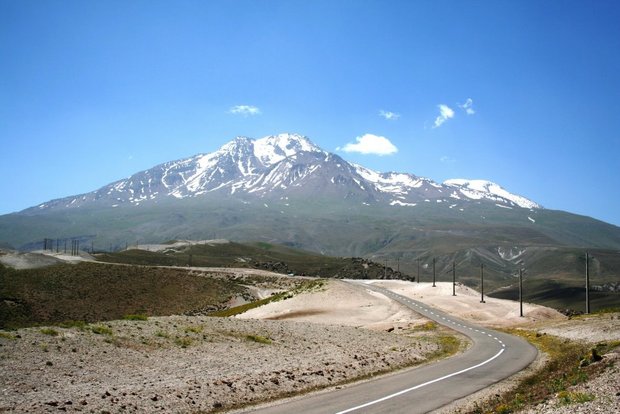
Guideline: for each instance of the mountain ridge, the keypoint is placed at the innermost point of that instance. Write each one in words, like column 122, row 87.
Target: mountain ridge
column 284, row 189
column 268, row 167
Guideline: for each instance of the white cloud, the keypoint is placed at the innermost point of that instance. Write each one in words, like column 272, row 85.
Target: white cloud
column 468, row 107
column 446, row 159
column 445, row 113
column 244, row 110
column 390, row 116
column 371, row 144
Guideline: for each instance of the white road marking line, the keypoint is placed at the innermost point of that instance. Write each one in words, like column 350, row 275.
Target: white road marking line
column 396, row 394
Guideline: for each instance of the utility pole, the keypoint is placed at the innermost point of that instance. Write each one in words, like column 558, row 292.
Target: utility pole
column 418, row 270
column 453, row 279
column 482, row 283
column 521, row 292
column 65, row 246
column 434, row 272
column 587, row 283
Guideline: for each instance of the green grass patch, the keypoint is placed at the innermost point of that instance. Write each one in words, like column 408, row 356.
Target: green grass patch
column 49, row 331
column 193, row 329
column 162, row 334
column 101, row 330
column 73, row 324
column 428, row 326
column 6, row 335
column 259, row 339
column 573, row 397
column 448, row 345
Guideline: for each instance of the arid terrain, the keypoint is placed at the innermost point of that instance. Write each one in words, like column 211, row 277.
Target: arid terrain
column 321, row 338
column 199, row 363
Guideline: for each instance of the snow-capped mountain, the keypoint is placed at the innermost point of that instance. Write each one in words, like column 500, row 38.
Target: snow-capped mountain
column 284, row 189
column 279, row 166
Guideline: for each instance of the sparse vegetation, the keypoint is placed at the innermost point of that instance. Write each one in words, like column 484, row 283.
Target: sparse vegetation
column 306, row 286
column 427, row 326
column 136, row 317
column 162, row 334
column 49, row 331
column 101, row 330
column 258, row 255
column 573, row 397
column 73, row 324
column 237, row 310
column 183, row 342
column 94, row 292
column 193, row 329
column 448, row 345
column 7, row 335
column 564, row 369
column 259, row 339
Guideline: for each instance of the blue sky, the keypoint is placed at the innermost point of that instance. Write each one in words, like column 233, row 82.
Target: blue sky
column 92, row 92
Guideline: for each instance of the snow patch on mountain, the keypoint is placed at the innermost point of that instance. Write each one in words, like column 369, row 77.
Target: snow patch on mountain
column 273, row 149
column 482, row 189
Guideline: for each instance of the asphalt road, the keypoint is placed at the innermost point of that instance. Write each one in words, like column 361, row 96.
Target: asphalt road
column 492, row 357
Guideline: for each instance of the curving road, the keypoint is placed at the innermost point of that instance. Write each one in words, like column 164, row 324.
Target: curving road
column 492, row 357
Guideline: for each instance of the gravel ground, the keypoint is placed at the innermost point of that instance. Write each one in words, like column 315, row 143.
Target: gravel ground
column 187, row 364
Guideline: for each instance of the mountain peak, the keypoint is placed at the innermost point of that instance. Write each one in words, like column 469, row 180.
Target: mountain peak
column 274, row 148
